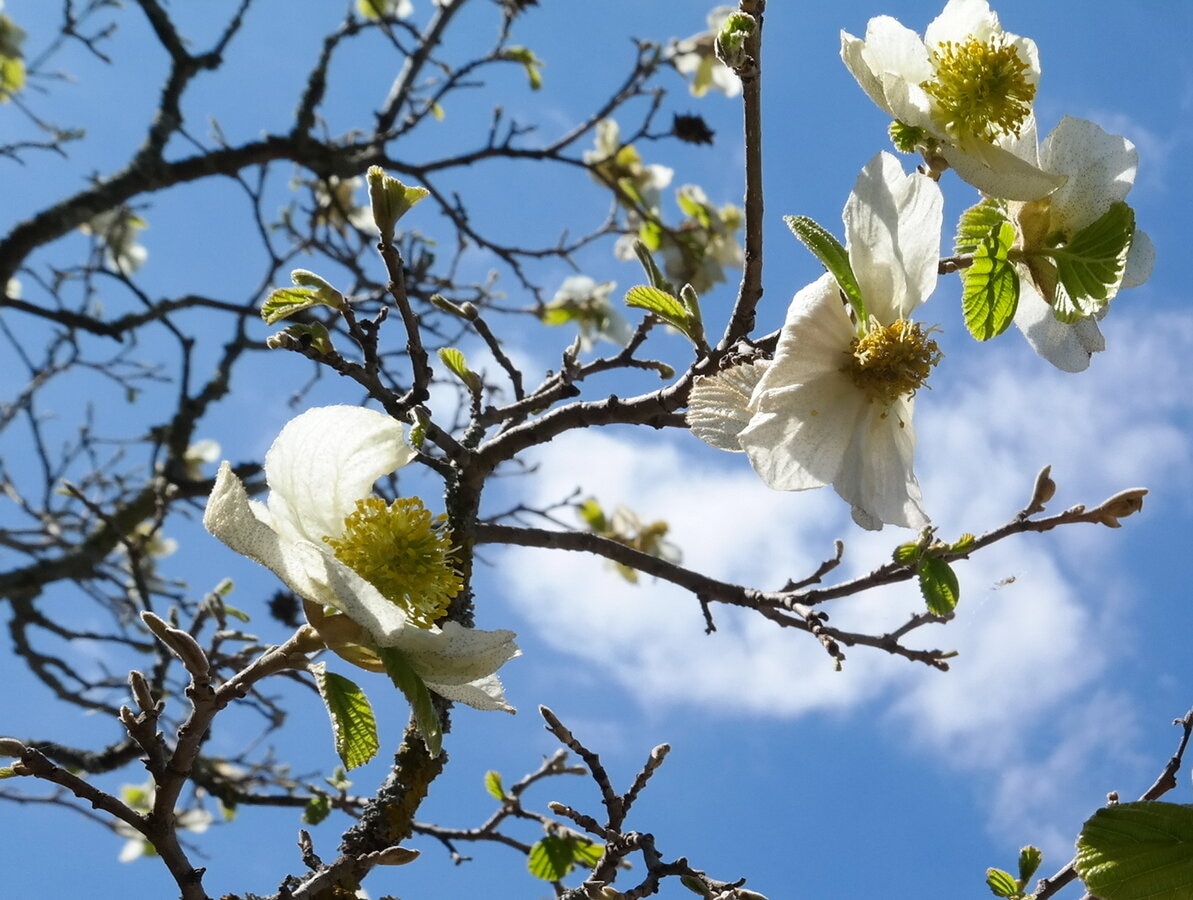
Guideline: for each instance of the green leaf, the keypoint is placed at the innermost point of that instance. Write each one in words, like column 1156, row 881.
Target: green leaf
column 317, row 809
column 832, row 256
column 550, row 859
column 905, row 554
column 454, row 360
column 554, row 856
column 529, row 61
column 653, row 273
column 315, row 335
column 285, row 302
column 1029, row 861
column 390, row 199
column 352, row 720
column 666, row 307
column 426, row 719
column 938, row 584
column 1090, row 266
column 8, row 772
column 990, row 285
column 1001, row 884
column 592, row 514
column 1138, row 851
column 493, row 785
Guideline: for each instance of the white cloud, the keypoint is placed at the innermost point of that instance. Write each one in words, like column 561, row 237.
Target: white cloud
column 1035, row 629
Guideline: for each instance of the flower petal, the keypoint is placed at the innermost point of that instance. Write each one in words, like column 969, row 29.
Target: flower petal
column 1068, row 347
column 302, row 566
column 326, row 459
column 484, row 693
column 876, row 475
column 1101, row 169
column 997, row 172
column 1140, row 260
column 719, row 405
column 892, row 228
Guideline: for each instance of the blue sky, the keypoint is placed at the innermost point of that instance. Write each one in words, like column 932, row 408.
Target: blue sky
column 883, row 779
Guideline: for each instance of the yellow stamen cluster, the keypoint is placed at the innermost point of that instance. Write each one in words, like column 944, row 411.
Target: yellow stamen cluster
column 400, row 550
column 892, row 361
column 981, row 88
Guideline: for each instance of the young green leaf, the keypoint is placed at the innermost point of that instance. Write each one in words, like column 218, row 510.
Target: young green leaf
column 317, row 809
column 1029, row 861
column 1138, row 851
column 666, row 307
column 1090, row 266
column 1001, row 884
column 990, row 285
column 426, row 719
column 493, row 785
column 454, row 360
column 390, row 200
column 832, row 256
column 938, row 584
column 285, row 302
column 653, row 273
column 551, row 858
column 7, row 772
column 315, row 335
column 352, row 722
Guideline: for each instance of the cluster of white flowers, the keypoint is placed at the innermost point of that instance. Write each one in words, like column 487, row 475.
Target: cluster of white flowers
column 834, row 405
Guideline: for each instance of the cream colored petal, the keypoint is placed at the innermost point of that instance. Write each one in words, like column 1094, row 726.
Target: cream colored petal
column 853, row 55
column 1140, row 260
column 302, row 566
column 719, row 405
column 876, row 476
column 326, row 459
column 998, row 172
column 892, row 227
column 961, row 18
column 485, row 693
column 1068, row 347
column 1100, row 167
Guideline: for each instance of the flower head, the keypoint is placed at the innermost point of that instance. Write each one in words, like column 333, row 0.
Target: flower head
column 117, row 230
column 696, row 56
column 963, row 93
column 371, row 574
column 582, row 300
column 1100, row 171
column 834, row 406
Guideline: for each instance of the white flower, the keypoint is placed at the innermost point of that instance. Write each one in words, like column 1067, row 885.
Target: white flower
column 963, row 93
column 834, row 406
column 335, row 204
column 139, row 798
column 697, row 56
column 320, row 471
column 118, row 228
column 1100, row 170
column 582, row 300
column 621, row 165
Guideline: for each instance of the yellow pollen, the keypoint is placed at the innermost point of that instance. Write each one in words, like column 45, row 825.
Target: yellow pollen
column 401, row 551
column 892, row 361
column 981, row 89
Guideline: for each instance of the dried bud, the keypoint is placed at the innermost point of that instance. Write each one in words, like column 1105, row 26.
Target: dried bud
column 1043, row 491
column 141, row 692
column 393, row 856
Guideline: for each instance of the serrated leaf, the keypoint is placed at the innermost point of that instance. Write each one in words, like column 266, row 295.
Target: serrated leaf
column 990, row 285
column 8, row 772
column 493, row 785
column 907, row 553
column 587, row 853
column 1029, row 861
column 938, row 584
column 1138, row 851
column 426, row 719
column 317, row 809
column 455, row 362
column 653, row 273
column 1090, row 266
column 352, row 721
column 550, row 858
column 1001, row 884
column 662, row 304
column 554, row 856
column 832, row 256
column 285, row 302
